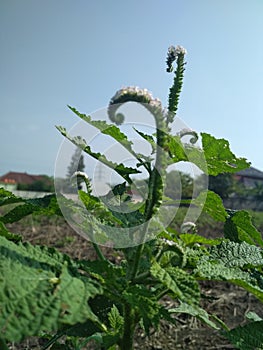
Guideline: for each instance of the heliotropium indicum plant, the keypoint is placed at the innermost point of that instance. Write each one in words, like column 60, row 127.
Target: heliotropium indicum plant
column 46, row 293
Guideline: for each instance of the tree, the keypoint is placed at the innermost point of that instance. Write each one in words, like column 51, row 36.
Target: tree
column 76, row 164
column 179, row 185
column 222, row 184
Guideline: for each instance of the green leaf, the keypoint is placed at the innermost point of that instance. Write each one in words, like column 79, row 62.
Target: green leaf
column 115, row 319
column 233, row 254
column 7, row 197
column 219, row 157
column 40, row 290
column 46, row 205
column 148, row 138
column 8, row 235
column 96, row 207
column 212, row 204
column 239, row 227
column 215, row 270
column 180, row 283
column 194, row 311
column 106, row 129
column 81, row 143
column 176, row 149
column 247, row 337
column 150, row 310
column 190, row 239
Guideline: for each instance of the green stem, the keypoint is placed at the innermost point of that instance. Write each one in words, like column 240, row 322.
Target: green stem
column 129, row 327
column 3, row 345
column 99, row 252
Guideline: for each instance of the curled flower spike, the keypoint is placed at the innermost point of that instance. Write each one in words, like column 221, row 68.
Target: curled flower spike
column 131, row 94
column 173, row 53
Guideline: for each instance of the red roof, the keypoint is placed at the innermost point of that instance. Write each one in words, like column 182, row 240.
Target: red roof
column 21, row 178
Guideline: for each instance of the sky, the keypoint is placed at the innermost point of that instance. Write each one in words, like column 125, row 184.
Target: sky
column 79, row 53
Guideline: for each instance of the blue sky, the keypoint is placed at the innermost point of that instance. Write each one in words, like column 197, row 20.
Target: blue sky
column 55, row 53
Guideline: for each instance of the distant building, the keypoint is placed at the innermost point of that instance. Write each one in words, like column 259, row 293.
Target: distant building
column 250, row 177
column 15, row 181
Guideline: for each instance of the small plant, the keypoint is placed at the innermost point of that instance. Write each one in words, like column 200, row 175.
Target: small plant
column 45, row 293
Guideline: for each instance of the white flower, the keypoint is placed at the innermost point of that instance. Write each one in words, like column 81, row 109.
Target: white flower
column 180, row 50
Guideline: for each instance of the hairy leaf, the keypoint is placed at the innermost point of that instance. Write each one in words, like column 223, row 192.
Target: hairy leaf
column 40, row 289
column 180, row 283
column 237, row 254
column 247, row 337
column 216, row 270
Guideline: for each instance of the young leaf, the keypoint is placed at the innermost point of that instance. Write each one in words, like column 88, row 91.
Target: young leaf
column 115, row 319
column 40, row 289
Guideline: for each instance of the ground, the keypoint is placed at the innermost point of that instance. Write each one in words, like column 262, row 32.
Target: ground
column 230, row 303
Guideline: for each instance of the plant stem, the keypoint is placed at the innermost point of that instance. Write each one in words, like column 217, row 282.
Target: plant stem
column 99, row 252
column 129, row 327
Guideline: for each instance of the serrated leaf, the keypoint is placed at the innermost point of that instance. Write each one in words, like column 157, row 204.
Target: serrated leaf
column 107, row 129
column 215, row 270
column 40, row 289
column 45, row 205
column 212, row 204
column 7, row 197
column 8, row 235
column 120, row 169
column 247, row 337
column 194, row 311
column 219, row 157
column 115, row 319
column 148, row 138
column 150, row 310
column 180, row 283
column 239, row 227
column 233, row 254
